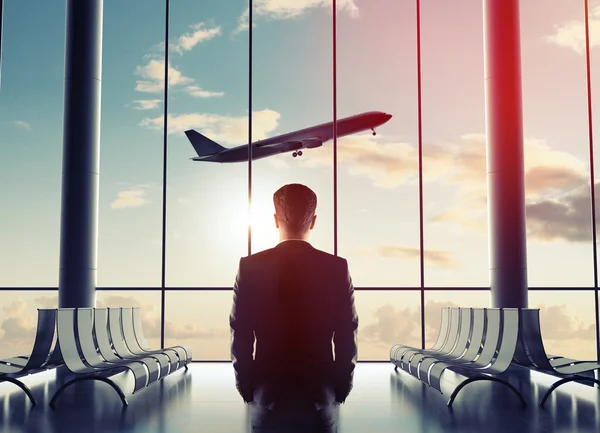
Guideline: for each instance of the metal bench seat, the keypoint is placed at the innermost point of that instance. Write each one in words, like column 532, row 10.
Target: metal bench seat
column 467, row 347
column 184, row 353
column 449, row 344
column 484, row 347
column 531, row 353
column 41, row 354
column 496, row 355
column 177, row 354
column 398, row 350
column 168, row 364
column 75, row 334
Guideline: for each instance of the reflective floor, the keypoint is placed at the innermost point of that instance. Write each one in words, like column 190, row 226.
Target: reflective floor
column 204, row 399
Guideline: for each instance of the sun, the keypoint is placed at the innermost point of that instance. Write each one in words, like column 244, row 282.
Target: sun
column 264, row 233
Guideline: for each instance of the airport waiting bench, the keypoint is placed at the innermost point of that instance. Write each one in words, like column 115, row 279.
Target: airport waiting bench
column 43, row 356
column 483, row 343
column 530, row 353
column 94, row 344
column 479, row 342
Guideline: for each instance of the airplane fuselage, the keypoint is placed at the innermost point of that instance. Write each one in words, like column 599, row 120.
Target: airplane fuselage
column 324, row 132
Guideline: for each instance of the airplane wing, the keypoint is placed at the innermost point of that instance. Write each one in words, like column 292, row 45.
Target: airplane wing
column 287, row 146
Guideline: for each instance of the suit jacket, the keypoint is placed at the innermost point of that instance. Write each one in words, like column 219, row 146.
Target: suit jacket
column 293, row 301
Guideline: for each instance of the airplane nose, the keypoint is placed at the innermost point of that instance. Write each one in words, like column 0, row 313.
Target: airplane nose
column 387, row 116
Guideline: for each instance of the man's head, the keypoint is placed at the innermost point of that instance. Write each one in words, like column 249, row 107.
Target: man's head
column 295, row 206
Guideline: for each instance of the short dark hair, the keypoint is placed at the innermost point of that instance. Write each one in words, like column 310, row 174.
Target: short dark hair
column 295, row 206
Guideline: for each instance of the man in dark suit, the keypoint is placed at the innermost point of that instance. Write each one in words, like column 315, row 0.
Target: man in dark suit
column 293, row 300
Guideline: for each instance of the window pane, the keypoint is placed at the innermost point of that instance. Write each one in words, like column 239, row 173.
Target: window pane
column 18, row 319
column 454, row 152
column 292, row 90
column 199, row 320
column 129, row 252
column 147, row 301
column 568, row 322
column 555, row 126
column 436, row 300
column 378, row 190
column 208, row 92
column 31, row 100
column 386, row 318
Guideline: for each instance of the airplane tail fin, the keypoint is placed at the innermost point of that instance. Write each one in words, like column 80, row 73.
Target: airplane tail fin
column 203, row 146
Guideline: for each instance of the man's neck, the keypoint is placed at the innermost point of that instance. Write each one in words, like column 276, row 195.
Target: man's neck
column 292, row 237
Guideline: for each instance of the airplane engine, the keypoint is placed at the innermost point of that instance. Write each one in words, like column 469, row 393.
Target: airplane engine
column 311, row 144
column 292, row 145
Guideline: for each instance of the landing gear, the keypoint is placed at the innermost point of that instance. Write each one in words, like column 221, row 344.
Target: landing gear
column 374, row 133
column 295, row 154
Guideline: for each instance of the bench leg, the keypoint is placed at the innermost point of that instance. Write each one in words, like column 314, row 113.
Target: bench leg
column 82, row 378
column 491, row 379
column 21, row 385
column 565, row 380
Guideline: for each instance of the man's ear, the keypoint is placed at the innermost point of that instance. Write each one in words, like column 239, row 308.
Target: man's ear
column 312, row 224
column 276, row 221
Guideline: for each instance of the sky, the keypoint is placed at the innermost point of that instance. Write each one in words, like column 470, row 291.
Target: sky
column 378, row 214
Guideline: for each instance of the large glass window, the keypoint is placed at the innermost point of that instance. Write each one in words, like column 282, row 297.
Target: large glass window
column 438, row 299
column 386, row 318
column 18, row 319
column 567, row 321
column 292, row 90
column 378, row 219
column 454, row 170
column 147, row 301
column 208, row 93
column 129, row 229
column 377, row 193
column 199, row 320
column 555, row 127
column 31, row 95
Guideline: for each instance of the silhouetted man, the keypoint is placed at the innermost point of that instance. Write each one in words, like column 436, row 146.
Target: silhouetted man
column 293, row 300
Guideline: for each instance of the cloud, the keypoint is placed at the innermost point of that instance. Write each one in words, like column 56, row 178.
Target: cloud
column 244, row 24
column 386, row 164
column 47, row 301
column 224, row 129
column 151, row 321
column 201, row 32
column 21, row 124
column 129, row 198
column 558, row 324
column 282, row 10
column 146, row 104
column 199, row 92
column 434, row 258
column 567, row 218
column 279, row 9
column 393, row 324
column 153, row 77
column 556, row 182
column 571, row 34
column 18, row 323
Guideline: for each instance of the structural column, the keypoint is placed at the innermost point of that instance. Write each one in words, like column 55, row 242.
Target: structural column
column 505, row 172
column 1, row 25
column 81, row 154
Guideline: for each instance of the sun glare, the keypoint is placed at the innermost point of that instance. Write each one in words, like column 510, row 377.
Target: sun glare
column 264, row 233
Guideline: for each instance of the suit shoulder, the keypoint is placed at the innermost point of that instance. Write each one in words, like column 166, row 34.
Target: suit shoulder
column 337, row 260
column 261, row 255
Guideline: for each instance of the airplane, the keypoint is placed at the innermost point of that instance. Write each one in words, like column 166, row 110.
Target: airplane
column 307, row 138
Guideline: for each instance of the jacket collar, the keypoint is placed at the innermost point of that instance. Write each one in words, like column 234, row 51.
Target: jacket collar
column 291, row 242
